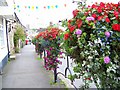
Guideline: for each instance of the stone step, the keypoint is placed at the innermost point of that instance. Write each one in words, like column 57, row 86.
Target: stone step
column 12, row 57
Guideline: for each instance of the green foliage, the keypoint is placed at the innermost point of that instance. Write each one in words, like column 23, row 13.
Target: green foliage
column 64, row 23
column 34, row 40
column 17, row 50
column 38, row 58
column 19, row 34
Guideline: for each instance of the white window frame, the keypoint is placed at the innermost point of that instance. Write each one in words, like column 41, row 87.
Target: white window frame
column 2, row 40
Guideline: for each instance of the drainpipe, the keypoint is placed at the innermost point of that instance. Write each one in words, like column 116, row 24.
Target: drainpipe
column 7, row 38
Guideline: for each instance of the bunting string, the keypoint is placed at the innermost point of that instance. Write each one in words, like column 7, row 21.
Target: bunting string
column 37, row 7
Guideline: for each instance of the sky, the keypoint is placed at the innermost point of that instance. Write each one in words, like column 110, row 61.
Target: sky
column 46, row 11
column 38, row 13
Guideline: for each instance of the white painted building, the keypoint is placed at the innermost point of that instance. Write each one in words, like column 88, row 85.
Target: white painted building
column 3, row 42
column 5, row 14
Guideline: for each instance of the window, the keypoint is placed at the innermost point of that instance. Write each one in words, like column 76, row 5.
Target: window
column 1, row 36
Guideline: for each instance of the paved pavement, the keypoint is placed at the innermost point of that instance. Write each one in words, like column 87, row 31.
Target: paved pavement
column 0, row 82
column 27, row 72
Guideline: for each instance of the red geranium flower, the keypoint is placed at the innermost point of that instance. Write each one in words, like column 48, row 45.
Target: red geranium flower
column 99, row 9
column 68, row 24
column 88, row 78
column 99, row 18
column 116, row 13
column 86, row 13
column 79, row 23
column 116, row 27
column 75, row 12
column 66, row 36
column 116, row 5
column 71, row 28
column 69, row 21
column 94, row 15
column 94, row 6
column 119, row 9
column 107, row 20
column 102, row 5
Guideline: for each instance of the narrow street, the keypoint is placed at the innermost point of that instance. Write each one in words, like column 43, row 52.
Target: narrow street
column 26, row 71
column 59, row 44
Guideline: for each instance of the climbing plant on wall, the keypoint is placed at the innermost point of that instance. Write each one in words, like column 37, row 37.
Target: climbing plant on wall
column 19, row 34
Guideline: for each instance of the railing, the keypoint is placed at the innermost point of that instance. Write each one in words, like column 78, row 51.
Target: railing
column 65, row 71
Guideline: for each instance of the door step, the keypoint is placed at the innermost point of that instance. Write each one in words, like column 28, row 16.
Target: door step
column 12, row 57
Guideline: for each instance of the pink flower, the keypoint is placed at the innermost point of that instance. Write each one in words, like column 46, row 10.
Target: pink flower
column 106, row 60
column 78, row 32
column 107, row 34
column 90, row 18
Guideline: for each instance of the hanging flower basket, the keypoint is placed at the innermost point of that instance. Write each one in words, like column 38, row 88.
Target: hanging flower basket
column 92, row 39
column 51, row 42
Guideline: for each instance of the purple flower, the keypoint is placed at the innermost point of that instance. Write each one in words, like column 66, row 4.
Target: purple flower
column 90, row 18
column 60, row 62
column 47, row 69
column 78, row 32
column 61, row 53
column 107, row 34
column 45, row 58
column 46, row 50
column 48, row 53
column 106, row 60
column 51, row 62
column 51, row 48
column 57, row 60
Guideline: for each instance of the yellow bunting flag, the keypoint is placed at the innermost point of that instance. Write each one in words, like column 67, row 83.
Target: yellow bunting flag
column 32, row 7
column 52, row 6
